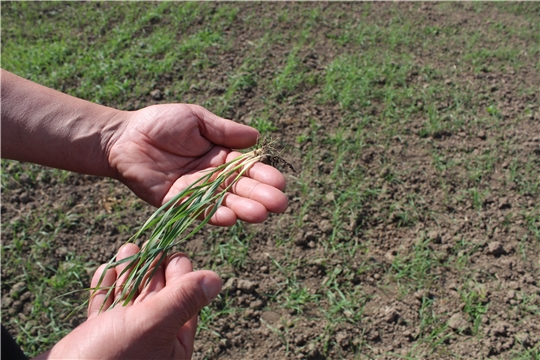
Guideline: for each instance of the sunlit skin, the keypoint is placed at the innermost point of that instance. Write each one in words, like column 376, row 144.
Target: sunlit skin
column 152, row 157
column 156, row 151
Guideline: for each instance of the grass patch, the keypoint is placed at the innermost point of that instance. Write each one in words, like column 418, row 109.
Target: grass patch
column 408, row 124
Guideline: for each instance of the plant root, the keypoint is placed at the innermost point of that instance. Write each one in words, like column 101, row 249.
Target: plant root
column 269, row 156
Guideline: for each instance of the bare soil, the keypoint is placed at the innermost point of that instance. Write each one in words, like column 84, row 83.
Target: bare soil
column 262, row 329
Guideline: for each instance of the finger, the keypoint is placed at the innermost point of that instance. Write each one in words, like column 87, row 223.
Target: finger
column 262, row 173
column 263, row 184
column 225, row 132
column 181, row 300
column 262, row 187
column 99, row 300
column 272, row 199
column 122, row 271
column 222, row 217
column 234, row 208
column 179, row 264
column 245, row 209
column 156, row 283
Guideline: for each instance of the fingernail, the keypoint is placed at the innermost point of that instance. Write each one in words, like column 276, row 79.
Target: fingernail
column 211, row 286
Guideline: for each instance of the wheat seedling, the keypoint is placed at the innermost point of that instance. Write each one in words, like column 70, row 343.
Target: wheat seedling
column 170, row 223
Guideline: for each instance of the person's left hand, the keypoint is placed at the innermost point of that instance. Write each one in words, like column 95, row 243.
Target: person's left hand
column 160, row 323
column 160, row 150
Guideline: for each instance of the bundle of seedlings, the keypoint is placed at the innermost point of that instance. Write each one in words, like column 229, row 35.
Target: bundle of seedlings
column 171, row 223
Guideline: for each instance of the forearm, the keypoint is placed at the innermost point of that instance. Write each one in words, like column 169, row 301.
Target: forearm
column 47, row 127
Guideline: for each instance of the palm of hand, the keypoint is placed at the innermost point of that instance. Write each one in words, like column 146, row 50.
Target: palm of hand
column 164, row 148
column 159, row 146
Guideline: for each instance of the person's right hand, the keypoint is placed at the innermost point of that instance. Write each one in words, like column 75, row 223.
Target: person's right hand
column 160, row 323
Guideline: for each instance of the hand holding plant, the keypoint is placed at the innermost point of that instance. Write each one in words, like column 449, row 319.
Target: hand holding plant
column 160, row 150
column 171, row 224
column 156, row 151
column 176, row 156
column 159, row 323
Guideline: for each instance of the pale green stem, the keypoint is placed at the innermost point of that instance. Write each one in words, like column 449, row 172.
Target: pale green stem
column 172, row 220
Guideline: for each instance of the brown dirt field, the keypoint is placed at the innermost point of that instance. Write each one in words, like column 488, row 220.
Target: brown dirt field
column 491, row 234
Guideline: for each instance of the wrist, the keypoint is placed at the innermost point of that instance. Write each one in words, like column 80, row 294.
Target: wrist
column 47, row 127
column 111, row 128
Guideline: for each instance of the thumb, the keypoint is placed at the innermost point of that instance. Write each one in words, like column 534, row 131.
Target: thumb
column 181, row 300
column 225, row 132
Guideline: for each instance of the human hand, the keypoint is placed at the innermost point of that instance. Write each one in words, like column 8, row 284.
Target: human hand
column 156, row 151
column 160, row 323
column 162, row 149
